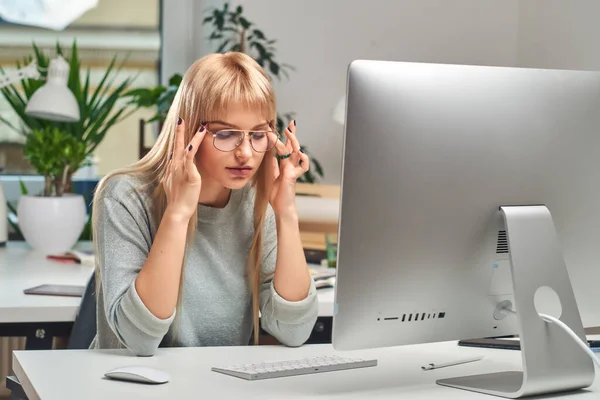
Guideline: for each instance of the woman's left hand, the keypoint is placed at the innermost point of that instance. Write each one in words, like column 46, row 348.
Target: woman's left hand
column 291, row 166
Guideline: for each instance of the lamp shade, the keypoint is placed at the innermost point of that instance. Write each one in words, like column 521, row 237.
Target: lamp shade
column 49, row 14
column 339, row 112
column 54, row 101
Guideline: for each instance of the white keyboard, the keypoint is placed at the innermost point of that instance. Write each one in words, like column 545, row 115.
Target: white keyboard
column 277, row 369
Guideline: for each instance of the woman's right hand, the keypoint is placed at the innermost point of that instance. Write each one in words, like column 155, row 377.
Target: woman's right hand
column 182, row 183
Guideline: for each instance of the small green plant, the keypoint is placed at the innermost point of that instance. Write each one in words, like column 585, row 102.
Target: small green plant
column 52, row 152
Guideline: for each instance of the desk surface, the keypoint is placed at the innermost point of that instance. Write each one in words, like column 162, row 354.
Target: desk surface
column 21, row 268
column 77, row 374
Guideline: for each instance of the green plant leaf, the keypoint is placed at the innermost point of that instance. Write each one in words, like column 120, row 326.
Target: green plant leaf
column 245, row 23
column 222, row 46
column 23, row 188
column 175, row 80
column 259, row 34
column 274, row 68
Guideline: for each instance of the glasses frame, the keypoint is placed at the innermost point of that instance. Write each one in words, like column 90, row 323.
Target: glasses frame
column 245, row 133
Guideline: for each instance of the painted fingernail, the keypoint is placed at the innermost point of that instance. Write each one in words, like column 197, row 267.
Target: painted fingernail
column 294, row 122
column 179, row 121
column 190, row 147
column 202, row 128
column 288, row 128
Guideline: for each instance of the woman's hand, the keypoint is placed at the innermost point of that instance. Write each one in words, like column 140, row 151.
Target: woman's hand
column 289, row 168
column 182, row 182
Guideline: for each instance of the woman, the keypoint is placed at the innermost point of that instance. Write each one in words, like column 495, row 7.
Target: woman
column 201, row 234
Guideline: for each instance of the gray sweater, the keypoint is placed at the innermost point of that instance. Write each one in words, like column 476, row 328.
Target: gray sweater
column 216, row 301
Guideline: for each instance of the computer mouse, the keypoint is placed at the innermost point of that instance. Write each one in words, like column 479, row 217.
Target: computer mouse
column 138, row 373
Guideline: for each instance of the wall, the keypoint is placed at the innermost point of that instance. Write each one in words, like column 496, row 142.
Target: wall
column 320, row 38
column 559, row 34
column 180, row 36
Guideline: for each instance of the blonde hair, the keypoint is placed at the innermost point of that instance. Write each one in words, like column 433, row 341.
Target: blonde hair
column 209, row 88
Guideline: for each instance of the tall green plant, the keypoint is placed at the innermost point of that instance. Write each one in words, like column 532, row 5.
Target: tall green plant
column 100, row 106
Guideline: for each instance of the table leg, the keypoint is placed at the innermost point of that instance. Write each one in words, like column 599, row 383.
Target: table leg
column 39, row 338
column 39, row 335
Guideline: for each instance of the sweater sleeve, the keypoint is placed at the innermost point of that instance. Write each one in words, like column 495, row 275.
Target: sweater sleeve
column 291, row 323
column 123, row 244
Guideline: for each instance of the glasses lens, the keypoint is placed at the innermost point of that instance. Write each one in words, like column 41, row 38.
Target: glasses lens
column 263, row 141
column 227, row 140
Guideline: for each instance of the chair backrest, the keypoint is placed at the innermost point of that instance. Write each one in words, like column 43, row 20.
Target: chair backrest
column 84, row 327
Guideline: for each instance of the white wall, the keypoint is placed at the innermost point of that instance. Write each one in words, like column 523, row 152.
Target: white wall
column 320, row 38
column 181, row 36
column 559, row 34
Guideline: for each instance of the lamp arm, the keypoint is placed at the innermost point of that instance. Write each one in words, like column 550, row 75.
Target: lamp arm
column 29, row 71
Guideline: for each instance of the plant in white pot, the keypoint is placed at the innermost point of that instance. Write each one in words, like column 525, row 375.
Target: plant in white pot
column 53, row 220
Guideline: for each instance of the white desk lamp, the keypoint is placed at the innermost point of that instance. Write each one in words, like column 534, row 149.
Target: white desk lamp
column 54, row 101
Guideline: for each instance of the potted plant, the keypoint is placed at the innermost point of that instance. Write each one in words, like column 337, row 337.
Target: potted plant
column 234, row 33
column 52, row 221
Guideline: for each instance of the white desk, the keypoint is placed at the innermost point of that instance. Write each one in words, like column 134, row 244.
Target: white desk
column 78, row 374
column 23, row 315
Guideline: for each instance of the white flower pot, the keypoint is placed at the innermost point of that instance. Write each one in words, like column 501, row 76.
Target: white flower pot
column 52, row 224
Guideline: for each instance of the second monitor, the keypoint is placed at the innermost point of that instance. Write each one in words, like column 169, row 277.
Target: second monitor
column 465, row 189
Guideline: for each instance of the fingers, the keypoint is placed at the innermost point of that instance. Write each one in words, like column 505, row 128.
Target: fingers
column 192, row 149
column 194, row 144
column 290, row 133
column 179, row 141
column 304, row 163
column 276, row 171
column 281, row 148
column 292, row 142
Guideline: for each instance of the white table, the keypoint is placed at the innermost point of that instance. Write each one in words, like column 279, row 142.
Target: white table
column 39, row 318
column 36, row 317
column 78, row 374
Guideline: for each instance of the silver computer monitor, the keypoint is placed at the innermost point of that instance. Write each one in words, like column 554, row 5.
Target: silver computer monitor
column 465, row 188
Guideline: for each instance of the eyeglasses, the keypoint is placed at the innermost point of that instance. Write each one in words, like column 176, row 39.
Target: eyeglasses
column 228, row 139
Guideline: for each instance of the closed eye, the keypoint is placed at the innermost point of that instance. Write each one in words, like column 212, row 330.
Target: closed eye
column 225, row 134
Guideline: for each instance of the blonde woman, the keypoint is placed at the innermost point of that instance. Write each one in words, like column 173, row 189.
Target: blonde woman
column 199, row 236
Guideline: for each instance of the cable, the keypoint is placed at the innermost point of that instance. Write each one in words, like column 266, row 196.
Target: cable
column 569, row 331
column 573, row 335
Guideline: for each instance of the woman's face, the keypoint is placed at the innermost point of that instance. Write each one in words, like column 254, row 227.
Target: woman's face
column 226, row 156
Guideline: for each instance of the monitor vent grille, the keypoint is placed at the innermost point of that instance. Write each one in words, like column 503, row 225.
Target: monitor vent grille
column 502, row 244
column 414, row 317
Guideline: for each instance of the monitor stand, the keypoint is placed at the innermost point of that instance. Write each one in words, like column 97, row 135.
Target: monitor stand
column 552, row 361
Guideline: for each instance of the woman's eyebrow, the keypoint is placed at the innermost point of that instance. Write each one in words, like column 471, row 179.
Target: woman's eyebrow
column 262, row 125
